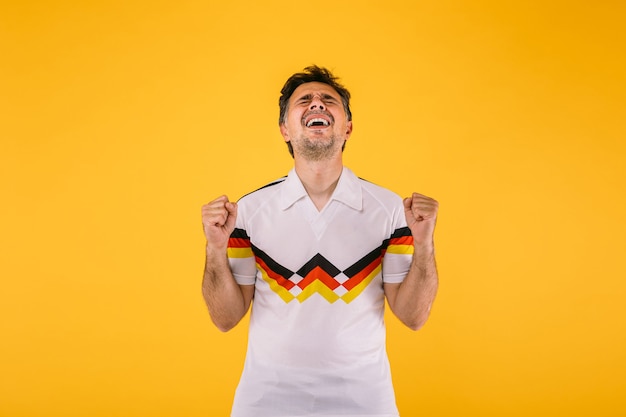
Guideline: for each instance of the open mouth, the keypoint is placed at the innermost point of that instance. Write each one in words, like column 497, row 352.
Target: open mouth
column 318, row 122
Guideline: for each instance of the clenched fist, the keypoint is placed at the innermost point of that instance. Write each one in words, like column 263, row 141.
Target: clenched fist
column 218, row 219
column 421, row 215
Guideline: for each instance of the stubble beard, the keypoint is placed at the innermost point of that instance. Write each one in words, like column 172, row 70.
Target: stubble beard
column 316, row 150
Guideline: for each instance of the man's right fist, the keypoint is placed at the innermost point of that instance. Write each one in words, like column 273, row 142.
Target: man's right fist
column 218, row 219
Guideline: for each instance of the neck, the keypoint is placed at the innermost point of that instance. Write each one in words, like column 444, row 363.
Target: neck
column 319, row 178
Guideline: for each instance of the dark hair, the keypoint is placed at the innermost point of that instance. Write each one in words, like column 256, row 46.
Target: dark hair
column 310, row 74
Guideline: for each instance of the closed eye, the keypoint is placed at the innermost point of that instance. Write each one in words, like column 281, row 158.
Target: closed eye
column 326, row 98
column 305, row 99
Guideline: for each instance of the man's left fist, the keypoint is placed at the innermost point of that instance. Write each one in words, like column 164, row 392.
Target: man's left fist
column 421, row 217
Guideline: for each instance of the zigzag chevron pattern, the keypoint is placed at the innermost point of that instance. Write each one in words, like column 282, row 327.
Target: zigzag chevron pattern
column 319, row 275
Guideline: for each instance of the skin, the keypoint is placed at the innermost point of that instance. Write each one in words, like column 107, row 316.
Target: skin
column 318, row 163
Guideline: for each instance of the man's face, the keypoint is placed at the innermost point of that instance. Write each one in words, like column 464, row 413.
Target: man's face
column 316, row 123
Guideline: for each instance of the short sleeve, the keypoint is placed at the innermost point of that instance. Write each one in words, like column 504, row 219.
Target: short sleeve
column 398, row 255
column 241, row 258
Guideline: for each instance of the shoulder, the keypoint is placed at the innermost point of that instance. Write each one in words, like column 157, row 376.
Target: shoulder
column 380, row 194
column 264, row 190
column 251, row 202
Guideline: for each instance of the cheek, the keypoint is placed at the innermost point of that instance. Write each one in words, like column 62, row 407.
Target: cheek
column 294, row 118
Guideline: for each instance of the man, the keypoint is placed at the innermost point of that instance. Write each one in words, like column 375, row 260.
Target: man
column 318, row 251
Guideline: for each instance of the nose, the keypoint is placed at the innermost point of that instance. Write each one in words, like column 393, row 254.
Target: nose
column 317, row 103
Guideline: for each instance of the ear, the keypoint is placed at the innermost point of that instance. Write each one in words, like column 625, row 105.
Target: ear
column 283, row 131
column 348, row 129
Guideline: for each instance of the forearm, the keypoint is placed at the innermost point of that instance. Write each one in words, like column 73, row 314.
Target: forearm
column 415, row 295
column 223, row 296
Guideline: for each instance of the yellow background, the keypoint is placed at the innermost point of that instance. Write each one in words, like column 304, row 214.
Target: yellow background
column 119, row 119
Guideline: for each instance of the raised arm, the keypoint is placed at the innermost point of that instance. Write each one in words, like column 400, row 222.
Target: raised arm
column 412, row 299
column 227, row 301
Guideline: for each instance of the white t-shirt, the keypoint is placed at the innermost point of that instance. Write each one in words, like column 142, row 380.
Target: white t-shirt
column 316, row 344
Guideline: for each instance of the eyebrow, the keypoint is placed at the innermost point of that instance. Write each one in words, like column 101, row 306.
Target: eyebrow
column 324, row 96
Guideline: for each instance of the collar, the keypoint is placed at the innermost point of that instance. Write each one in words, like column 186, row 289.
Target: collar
column 348, row 190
